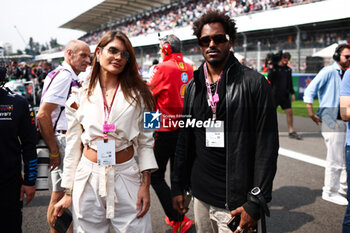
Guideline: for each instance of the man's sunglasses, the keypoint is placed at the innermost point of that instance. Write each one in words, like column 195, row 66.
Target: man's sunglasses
column 204, row 41
column 346, row 56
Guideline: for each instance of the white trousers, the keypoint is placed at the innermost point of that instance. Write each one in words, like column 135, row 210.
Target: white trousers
column 89, row 207
column 335, row 173
column 210, row 219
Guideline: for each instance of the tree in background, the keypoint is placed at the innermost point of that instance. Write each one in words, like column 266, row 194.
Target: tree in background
column 54, row 43
column 44, row 47
column 33, row 46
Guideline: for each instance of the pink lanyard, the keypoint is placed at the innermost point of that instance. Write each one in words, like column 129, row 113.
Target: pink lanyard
column 213, row 99
column 107, row 127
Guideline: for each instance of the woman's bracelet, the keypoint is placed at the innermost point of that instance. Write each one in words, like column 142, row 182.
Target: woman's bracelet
column 68, row 191
column 146, row 179
column 54, row 156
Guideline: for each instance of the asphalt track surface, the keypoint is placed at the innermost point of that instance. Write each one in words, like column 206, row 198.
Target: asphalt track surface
column 296, row 207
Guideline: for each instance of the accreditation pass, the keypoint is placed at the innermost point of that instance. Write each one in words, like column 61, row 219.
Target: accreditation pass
column 106, row 153
column 214, row 135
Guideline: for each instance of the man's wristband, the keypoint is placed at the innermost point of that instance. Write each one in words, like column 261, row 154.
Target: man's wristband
column 256, row 197
column 54, row 155
column 68, row 191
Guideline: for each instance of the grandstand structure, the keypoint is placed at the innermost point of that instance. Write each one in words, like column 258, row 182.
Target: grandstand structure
column 301, row 29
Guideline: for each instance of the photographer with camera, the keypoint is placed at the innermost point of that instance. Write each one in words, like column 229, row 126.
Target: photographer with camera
column 17, row 143
column 280, row 76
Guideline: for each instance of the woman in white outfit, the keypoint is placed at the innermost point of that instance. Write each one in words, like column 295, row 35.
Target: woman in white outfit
column 102, row 179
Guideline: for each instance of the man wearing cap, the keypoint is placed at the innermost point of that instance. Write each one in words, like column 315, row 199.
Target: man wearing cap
column 51, row 115
column 17, row 143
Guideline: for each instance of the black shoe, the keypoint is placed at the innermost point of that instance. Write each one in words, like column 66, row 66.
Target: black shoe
column 295, row 135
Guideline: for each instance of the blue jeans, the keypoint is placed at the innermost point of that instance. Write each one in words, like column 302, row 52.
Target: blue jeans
column 346, row 223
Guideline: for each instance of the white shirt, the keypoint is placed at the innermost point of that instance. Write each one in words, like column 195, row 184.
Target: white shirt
column 57, row 93
column 85, row 127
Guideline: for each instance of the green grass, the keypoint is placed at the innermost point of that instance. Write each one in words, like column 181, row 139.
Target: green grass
column 299, row 108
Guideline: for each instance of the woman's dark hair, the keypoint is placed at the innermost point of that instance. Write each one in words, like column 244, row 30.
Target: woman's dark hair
column 216, row 17
column 130, row 80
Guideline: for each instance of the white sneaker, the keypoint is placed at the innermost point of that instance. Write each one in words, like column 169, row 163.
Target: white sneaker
column 342, row 191
column 335, row 198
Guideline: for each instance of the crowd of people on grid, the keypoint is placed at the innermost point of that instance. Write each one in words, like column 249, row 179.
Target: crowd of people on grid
column 36, row 71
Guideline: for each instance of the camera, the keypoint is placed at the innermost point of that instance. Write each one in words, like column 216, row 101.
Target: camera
column 272, row 59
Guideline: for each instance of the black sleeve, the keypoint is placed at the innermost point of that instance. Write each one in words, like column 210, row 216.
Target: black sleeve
column 267, row 144
column 180, row 174
column 27, row 135
column 291, row 89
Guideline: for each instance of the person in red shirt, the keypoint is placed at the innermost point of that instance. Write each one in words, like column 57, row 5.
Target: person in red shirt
column 167, row 82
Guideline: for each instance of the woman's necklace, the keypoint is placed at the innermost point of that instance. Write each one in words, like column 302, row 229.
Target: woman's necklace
column 104, row 90
column 109, row 92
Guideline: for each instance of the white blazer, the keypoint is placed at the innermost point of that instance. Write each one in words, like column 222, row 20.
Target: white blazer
column 85, row 127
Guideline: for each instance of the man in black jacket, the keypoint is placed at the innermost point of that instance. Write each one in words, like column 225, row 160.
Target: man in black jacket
column 17, row 143
column 237, row 153
column 282, row 87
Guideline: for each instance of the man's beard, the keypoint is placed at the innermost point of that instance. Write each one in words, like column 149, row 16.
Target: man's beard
column 218, row 62
column 215, row 63
column 344, row 64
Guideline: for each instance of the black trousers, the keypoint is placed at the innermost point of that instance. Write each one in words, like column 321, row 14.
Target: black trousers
column 11, row 207
column 164, row 149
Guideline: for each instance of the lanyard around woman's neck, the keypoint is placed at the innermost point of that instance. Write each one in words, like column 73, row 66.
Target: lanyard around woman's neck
column 106, row 127
column 212, row 99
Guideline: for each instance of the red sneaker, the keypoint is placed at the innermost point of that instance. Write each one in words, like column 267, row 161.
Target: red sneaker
column 182, row 227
